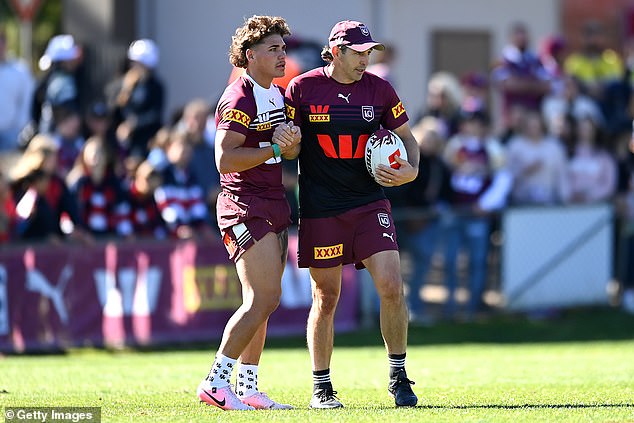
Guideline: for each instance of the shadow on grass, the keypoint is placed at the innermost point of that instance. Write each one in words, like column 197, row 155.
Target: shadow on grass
column 577, row 325
column 495, row 406
column 523, row 406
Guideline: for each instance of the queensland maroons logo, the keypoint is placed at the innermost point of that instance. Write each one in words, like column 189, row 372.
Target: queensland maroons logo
column 368, row 113
column 384, row 219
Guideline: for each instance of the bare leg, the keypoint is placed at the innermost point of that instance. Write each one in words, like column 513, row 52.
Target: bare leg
column 253, row 351
column 385, row 269
column 326, row 286
column 259, row 270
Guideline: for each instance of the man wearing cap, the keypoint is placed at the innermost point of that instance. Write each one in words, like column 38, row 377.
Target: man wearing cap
column 58, row 88
column 140, row 101
column 344, row 215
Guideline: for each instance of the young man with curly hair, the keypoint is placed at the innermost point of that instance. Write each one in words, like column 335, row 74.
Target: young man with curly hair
column 253, row 213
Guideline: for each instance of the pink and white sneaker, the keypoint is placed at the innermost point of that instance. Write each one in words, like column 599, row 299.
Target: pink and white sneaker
column 261, row 401
column 223, row 398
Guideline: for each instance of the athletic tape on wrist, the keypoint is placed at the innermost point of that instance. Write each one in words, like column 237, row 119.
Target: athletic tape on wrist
column 277, row 152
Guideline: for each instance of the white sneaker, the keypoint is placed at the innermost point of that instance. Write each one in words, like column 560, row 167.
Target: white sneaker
column 325, row 398
column 223, row 397
column 261, row 401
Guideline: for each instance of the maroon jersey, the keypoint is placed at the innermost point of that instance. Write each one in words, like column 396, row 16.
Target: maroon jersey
column 253, row 111
column 337, row 120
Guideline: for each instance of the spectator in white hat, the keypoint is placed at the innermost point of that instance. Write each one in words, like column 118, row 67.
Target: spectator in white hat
column 140, row 101
column 58, row 88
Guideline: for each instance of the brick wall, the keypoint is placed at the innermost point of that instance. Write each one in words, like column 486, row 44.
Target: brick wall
column 616, row 16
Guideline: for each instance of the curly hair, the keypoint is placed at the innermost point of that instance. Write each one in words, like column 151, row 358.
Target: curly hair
column 251, row 33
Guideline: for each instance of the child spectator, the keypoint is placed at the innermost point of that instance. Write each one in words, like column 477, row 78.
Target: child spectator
column 45, row 208
column 68, row 138
column 144, row 213
column 180, row 197
column 99, row 192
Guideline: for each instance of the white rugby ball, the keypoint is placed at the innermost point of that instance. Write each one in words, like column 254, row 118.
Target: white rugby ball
column 381, row 148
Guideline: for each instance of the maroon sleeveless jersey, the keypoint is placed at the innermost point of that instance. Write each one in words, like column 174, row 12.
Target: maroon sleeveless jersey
column 253, row 111
column 336, row 121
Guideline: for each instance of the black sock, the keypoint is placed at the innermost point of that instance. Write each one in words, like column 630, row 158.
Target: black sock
column 397, row 364
column 321, row 379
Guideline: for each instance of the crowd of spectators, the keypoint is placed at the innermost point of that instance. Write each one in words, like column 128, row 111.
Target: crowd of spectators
column 110, row 169
column 114, row 169
column 564, row 137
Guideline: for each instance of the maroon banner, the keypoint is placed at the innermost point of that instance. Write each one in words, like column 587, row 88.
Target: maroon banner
column 139, row 294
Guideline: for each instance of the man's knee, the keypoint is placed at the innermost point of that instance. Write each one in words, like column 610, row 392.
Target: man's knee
column 390, row 287
column 326, row 300
column 266, row 303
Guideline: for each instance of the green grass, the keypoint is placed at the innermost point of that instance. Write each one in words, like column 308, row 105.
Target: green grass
column 579, row 367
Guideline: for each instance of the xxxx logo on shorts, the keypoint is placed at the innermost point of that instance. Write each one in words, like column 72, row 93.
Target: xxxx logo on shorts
column 322, row 253
column 236, row 115
column 398, row 110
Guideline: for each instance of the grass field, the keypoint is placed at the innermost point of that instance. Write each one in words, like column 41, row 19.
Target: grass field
column 578, row 367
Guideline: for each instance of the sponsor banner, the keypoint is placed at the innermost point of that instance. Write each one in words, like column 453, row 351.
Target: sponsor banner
column 139, row 294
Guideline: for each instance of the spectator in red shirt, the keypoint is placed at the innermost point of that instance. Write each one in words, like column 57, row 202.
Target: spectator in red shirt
column 144, row 213
column 99, row 192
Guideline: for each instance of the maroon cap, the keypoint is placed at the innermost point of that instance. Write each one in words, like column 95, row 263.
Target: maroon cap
column 354, row 35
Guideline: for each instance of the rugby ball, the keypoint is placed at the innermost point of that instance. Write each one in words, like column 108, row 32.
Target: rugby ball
column 381, row 148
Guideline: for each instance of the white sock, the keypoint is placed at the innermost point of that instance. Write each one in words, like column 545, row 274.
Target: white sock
column 220, row 372
column 247, row 380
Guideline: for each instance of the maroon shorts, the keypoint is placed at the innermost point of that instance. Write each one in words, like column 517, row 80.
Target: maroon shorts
column 349, row 237
column 244, row 220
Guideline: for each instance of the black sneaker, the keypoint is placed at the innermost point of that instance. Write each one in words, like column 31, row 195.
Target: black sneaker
column 325, row 398
column 400, row 388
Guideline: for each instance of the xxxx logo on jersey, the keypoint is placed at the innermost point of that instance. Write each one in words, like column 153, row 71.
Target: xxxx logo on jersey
column 290, row 112
column 398, row 110
column 236, row 115
column 322, row 253
column 319, row 114
column 263, row 126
